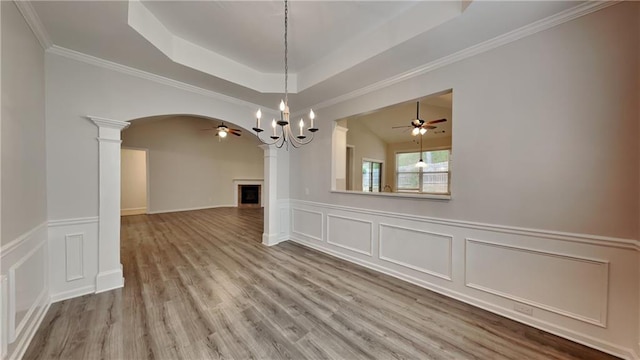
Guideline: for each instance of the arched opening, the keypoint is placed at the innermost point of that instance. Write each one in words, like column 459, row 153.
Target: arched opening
column 110, row 274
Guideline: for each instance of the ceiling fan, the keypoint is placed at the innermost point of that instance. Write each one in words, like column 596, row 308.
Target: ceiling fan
column 420, row 127
column 223, row 130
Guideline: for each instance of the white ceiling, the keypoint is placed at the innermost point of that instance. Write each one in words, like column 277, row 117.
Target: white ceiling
column 235, row 47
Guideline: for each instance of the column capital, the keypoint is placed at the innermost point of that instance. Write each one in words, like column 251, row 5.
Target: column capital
column 108, row 123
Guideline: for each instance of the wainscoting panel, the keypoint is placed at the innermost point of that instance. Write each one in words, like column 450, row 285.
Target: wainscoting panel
column 546, row 280
column 350, row 233
column 578, row 286
column 307, row 223
column 285, row 216
column 25, row 289
column 73, row 257
column 418, row 250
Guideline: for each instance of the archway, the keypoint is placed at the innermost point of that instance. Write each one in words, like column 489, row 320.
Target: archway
column 110, row 274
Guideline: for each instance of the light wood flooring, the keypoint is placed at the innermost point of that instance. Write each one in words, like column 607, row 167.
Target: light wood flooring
column 199, row 285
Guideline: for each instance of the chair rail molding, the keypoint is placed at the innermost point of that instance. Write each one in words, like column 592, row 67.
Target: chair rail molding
column 109, row 268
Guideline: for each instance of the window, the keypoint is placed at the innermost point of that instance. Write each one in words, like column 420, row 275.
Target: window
column 431, row 179
column 371, row 176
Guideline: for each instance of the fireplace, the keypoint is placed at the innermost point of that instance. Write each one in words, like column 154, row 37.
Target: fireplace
column 249, row 195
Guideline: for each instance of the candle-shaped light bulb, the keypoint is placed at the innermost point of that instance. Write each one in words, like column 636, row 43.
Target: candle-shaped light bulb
column 301, row 126
column 273, row 125
column 281, row 105
column 222, row 134
column 312, row 116
column 415, row 131
column 258, row 116
column 423, row 131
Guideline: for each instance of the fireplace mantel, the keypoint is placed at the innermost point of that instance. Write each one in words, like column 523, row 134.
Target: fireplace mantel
column 239, row 181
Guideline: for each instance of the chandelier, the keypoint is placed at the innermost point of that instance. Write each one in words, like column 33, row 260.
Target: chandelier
column 285, row 135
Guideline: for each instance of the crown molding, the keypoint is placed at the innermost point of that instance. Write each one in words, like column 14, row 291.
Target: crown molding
column 507, row 38
column 33, row 20
column 110, row 65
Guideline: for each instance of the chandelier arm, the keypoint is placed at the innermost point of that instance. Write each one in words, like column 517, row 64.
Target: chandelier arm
column 295, row 142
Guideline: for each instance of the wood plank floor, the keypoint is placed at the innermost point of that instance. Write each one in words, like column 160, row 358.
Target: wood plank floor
column 199, row 285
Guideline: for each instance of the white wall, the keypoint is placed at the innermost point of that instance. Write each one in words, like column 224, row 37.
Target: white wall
column 545, row 178
column 190, row 168
column 24, row 279
column 133, row 181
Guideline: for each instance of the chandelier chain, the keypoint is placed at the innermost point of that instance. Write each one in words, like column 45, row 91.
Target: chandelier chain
column 286, row 52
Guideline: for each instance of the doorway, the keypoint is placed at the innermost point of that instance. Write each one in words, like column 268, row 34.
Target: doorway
column 134, row 181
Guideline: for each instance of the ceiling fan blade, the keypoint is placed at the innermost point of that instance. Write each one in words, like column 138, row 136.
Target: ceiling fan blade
column 400, row 127
column 429, row 127
column 435, row 121
column 235, row 133
column 238, row 130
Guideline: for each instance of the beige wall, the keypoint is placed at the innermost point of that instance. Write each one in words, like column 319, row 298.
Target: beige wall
column 545, row 132
column 367, row 145
column 190, row 168
column 133, row 189
column 24, row 198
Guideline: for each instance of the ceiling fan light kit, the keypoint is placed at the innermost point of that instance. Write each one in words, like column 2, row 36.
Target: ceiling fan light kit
column 286, row 135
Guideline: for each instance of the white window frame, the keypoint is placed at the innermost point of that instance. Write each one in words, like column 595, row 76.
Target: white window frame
column 421, row 173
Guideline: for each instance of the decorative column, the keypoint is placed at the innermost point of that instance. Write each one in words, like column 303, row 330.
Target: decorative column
column 109, row 267
column 270, row 233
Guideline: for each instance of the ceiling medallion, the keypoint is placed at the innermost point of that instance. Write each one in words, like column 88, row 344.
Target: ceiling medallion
column 285, row 135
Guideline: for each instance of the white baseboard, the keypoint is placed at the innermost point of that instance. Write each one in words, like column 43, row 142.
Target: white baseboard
column 188, row 209
column 133, row 211
column 109, row 280
column 73, row 293
column 270, row 239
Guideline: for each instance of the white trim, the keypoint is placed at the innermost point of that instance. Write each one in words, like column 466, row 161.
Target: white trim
column 88, row 59
column 188, row 209
column 69, row 294
column 30, row 332
column 504, row 39
column 107, row 140
column 370, row 253
column 16, row 330
column 13, row 245
column 4, row 316
column 601, row 322
column 74, row 221
column 68, row 237
column 569, row 334
column 109, row 280
column 293, row 224
column 547, row 234
column 395, row 194
column 35, row 24
column 108, row 123
column 448, row 276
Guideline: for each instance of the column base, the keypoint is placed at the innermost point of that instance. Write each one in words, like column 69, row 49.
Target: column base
column 109, row 280
column 270, row 239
